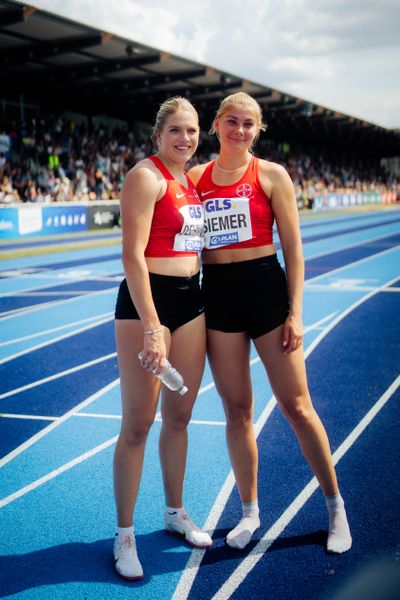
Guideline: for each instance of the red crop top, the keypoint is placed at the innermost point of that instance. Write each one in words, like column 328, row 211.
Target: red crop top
column 177, row 228
column 238, row 215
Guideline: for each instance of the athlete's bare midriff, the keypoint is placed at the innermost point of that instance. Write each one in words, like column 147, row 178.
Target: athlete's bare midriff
column 175, row 266
column 225, row 256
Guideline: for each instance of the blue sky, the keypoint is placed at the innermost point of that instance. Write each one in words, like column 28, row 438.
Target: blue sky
column 343, row 54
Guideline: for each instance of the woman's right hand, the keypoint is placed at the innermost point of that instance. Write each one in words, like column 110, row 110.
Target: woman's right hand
column 154, row 353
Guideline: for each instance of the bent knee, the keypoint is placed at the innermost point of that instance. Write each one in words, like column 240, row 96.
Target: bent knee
column 299, row 410
column 177, row 422
column 136, row 436
column 238, row 416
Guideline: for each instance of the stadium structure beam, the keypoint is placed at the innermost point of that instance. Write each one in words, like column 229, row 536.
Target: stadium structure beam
column 267, row 96
column 16, row 15
column 78, row 73
column 198, row 92
column 35, row 52
column 288, row 107
column 138, row 84
column 271, row 106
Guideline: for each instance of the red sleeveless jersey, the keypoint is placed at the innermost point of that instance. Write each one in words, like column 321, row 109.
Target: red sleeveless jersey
column 177, row 228
column 238, row 215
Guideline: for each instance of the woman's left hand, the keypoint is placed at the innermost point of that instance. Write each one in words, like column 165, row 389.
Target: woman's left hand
column 154, row 353
column 292, row 334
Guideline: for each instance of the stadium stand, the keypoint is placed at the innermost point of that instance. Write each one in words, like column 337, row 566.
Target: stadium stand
column 56, row 159
column 74, row 116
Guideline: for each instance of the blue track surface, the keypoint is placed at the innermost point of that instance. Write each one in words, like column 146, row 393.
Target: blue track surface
column 60, row 415
column 35, row 243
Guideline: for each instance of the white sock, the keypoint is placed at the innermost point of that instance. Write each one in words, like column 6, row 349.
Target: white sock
column 339, row 537
column 241, row 535
column 125, row 531
column 173, row 511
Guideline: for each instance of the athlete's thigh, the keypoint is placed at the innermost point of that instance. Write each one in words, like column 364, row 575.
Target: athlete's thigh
column 286, row 372
column 229, row 357
column 139, row 388
column 187, row 355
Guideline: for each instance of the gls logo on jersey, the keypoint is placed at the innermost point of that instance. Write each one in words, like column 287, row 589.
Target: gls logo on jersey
column 217, row 204
column 196, row 212
column 227, row 221
column 191, row 236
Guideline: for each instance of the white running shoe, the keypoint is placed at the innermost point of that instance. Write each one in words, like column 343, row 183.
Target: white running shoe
column 126, row 559
column 178, row 523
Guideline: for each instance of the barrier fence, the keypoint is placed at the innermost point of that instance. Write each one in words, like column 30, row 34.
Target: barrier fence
column 30, row 220
column 334, row 201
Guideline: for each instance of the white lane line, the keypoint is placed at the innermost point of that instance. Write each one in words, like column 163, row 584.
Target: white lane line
column 313, row 327
column 24, row 273
column 54, row 329
column 269, row 408
column 32, row 293
column 326, row 224
column 317, row 324
column 27, row 417
column 188, row 576
column 74, row 413
column 248, row 563
column 224, row 491
column 256, row 359
column 38, row 482
column 45, row 305
column 69, row 465
column 58, row 375
column 97, row 416
column 43, row 432
column 41, row 289
column 199, row 422
column 59, row 278
column 16, row 312
column 157, row 418
column 352, row 264
column 79, row 368
column 206, row 387
column 307, row 246
column 58, row 339
column 46, row 294
column 346, row 312
column 347, row 288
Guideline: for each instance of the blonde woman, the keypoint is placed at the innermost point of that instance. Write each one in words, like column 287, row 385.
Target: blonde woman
column 159, row 312
column 248, row 298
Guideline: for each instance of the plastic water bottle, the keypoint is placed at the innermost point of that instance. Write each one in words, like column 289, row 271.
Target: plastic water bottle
column 170, row 377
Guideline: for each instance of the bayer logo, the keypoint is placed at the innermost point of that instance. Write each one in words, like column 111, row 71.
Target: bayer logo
column 244, row 189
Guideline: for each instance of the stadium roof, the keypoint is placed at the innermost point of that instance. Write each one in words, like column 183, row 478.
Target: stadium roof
column 56, row 63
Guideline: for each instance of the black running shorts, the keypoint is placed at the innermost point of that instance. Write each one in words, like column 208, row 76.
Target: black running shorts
column 250, row 296
column 177, row 300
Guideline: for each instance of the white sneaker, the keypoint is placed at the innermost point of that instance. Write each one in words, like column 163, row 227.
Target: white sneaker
column 178, row 523
column 126, row 559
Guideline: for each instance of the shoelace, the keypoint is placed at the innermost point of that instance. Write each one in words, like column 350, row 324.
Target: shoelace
column 186, row 518
column 127, row 546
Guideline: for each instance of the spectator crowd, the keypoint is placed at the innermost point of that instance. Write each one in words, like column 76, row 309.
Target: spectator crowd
column 56, row 159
